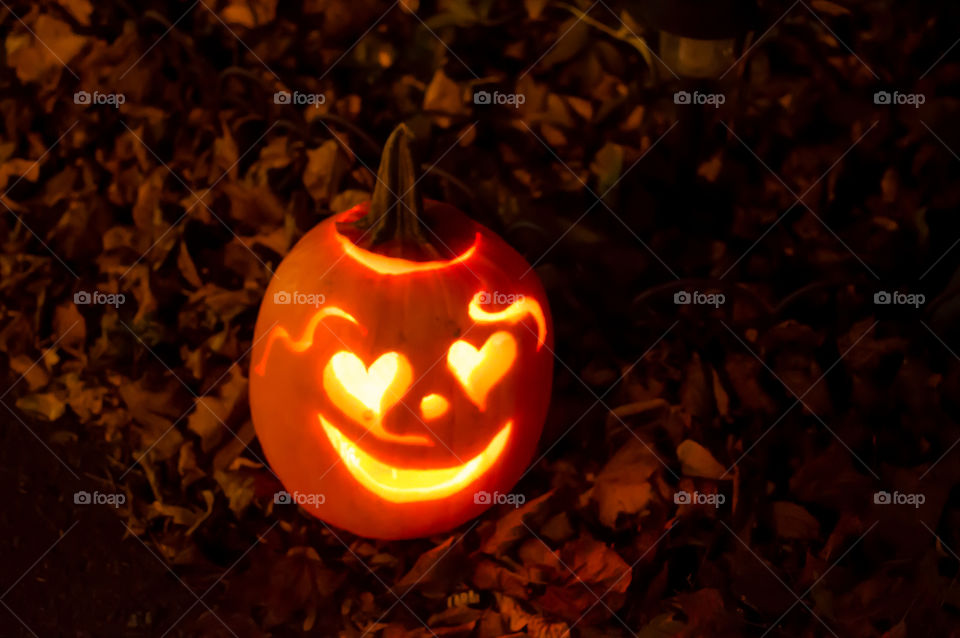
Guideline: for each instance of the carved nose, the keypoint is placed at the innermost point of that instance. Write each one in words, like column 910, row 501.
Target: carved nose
column 433, row 406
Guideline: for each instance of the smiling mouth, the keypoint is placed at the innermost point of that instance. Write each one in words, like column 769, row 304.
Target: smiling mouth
column 407, row 485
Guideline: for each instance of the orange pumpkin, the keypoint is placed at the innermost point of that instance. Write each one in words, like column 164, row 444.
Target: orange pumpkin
column 402, row 363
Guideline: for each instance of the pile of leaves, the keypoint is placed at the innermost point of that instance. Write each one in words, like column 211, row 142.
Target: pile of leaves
column 788, row 407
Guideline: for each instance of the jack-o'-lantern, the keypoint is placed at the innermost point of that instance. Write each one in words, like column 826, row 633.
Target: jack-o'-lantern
column 402, row 363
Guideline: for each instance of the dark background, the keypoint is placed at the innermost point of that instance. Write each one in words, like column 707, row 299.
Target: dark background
column 798, row 399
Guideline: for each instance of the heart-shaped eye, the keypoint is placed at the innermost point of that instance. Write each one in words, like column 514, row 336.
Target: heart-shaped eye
column 479, row 370
column 365, row 394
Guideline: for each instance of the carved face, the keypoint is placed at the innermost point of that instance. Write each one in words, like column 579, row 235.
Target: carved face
column 402, row 389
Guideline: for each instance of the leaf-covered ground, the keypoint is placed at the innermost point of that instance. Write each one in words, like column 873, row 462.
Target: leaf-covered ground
column 145, row 163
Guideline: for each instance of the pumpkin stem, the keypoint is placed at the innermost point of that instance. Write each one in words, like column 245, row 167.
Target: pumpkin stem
column 396, row 208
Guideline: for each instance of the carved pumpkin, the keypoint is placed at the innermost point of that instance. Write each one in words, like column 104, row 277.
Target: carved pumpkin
column 402, row 363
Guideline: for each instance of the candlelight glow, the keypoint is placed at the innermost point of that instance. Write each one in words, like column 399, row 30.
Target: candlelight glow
column 306, row 341
column 406, row 485
column 366, row 394
column 515, row 312
column 395, row 266
column 479, row 370
column 433, row 406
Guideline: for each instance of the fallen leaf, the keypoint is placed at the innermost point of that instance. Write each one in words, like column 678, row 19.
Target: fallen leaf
column 44, row 404
column 830, row 8
column 238, row 487
column 534, row 8
column 210, row 413
column 607, row 166
column 249, row 13
column 39, row 54
column 585, row 566
column 33, row 372
column 710, row 169
column 489, row 575
column 623, row 486
column 79, row 9
column 511, row 528
column 18, row 168
column 187, row 517
column 444, row 96
column 70, row 328
column 430, row 566
column 696, row 460
column 321, row 174
column 794, row 522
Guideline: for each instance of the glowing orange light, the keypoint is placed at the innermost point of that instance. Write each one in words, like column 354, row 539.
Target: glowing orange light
column 366, row 394
column 395, row 266
column 479, row 370
column 433, row 406
column 513, row 313
column 306, row 341
column 406, row 485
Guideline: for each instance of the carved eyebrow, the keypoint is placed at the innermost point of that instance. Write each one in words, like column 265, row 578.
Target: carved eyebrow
column 306, row 341
column 394, row 266
column 514, row 313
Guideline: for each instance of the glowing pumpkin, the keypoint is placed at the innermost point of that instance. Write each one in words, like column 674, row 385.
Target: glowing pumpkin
column 402, row 363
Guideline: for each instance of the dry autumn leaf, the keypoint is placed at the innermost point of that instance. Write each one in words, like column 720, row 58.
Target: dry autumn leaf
column 42, row 48
column 586, row 570
column 443, row 95
column 696, row 460
column 320, row 175
column 623, row 485
column 794, row 522
column 208, row 419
